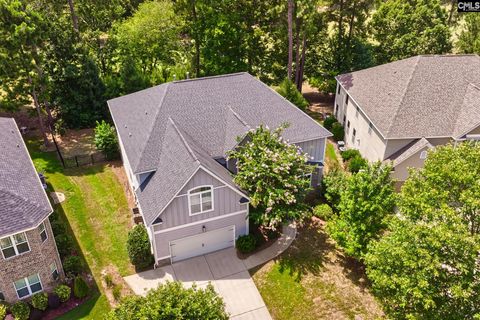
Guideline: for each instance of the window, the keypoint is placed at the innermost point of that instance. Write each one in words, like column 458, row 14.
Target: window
column 336, row 111
column 348, row 124
column 14, row 245
column 346, row 99
column 344, row 119
column 200, row 200
column 339, row 88
column 42, row 231
column 28, row 286
column 353, row 135
column 54, row 271
column 358, row 111
column 370, row 127
column 423, row 155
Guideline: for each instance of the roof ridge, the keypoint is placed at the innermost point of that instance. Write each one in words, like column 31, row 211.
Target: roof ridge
column 194, row 156
column 211, row 77
column 151, row 128
column 403, row 94
column 238, row 117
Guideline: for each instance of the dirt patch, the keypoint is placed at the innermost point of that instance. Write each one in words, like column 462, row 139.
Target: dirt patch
column 119, row 171
column 77, row 142
column 114, row 286
column 319, row 102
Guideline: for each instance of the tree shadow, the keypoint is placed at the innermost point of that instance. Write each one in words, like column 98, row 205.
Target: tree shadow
column 354, row 270
column 308, row 253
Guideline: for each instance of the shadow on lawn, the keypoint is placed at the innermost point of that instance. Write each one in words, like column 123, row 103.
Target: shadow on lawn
column 308, row 253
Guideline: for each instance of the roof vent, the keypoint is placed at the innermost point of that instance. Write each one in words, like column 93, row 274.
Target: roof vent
column 125, row 126
column 129, row 134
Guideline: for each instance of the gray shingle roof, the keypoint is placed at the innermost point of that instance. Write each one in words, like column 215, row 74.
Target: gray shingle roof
column 422, row 96
column 214, row 110
column 408, row 151
column 181, row 150
column 23, row 202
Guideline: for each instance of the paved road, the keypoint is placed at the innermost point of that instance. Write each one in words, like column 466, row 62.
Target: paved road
column 228, row 275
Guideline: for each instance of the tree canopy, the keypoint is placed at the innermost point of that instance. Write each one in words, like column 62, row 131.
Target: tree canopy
column 366, row 200
column 274, row 173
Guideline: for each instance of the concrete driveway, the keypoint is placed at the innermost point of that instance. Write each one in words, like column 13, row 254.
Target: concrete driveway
column 228, row 275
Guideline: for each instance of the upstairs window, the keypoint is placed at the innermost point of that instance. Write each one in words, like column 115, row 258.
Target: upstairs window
column 339, row 88
column 42, row 231
column 370, row 127
column 346, row 99
column 28, row 286
column 344, row 119
column 200, row 200
column 354, row 134
column 14, row 245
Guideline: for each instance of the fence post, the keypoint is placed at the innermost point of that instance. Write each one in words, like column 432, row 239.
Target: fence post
column 76, row 161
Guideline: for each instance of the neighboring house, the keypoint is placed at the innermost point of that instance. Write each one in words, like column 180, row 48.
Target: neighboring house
column 397, row 111
column 29, row 262
column 174, row 138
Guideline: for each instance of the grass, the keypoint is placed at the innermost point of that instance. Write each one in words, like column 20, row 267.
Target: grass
column 330, row 156
column 96, row 212
column 314, row 280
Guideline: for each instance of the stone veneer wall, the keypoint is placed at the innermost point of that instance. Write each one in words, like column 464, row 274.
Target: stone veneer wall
column 37, row 260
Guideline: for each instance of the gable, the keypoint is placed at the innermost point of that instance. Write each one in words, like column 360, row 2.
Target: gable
column 225, row 201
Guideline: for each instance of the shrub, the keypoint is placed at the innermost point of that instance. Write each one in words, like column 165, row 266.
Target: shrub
column 117, row 292
column 63, row 292
column 72, row 265
column 20, row 310
column 3, row 310
column 328, row 122
column 356, row 163
column 59, row 127
column 108, row 280
column 337, row 131
column 53, row 301
column 64, row 244
column 288, row 90
column 58, row 227
column 246, row 243
column 350, row 153
column 40, row 301
column 323, row 211
column 106, row 139
column 138, row 247
column 80, row 287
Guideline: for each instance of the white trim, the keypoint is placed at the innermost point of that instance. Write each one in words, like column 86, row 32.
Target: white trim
column 198, row 234
column 181, row 188
column 358, row 105
column 201, row 221
column 186, row 194
column 14, row 246
column 30, row 293
column 220, row 179
column 44, row 230
column 162, row 258
column 200, row 193
column 248, row 220
column 469, row 130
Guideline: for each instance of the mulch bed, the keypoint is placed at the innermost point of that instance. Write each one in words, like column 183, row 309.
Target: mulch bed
column 64, row 308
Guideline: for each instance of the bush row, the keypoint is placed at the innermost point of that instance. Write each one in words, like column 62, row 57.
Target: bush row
column 354, row 160
column 331, row 124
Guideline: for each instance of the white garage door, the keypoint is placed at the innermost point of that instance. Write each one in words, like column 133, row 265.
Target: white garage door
column 202, row 243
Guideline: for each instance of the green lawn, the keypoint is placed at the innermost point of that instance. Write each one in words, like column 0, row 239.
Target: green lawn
column 313, row 280
column 331, row 159
column 96, row 212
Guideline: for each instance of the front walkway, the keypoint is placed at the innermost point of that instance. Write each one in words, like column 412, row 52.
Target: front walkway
column 225, row 271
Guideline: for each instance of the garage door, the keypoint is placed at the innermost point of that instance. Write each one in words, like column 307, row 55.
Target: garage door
column 202, row 243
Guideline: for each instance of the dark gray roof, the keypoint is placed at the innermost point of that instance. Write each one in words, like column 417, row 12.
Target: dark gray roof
column 423, row 96
column 408, row 151
column 214, row 110
column 23, row 202
column 180, row 158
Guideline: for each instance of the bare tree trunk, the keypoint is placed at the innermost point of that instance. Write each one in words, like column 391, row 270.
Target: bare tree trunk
column 74, row 15
column 302, row 64
column 290, row 38
column 297, row 48
column 39, row 113
column 452, row 10
column 197, row 41
column 350, row 25
column 340, row 32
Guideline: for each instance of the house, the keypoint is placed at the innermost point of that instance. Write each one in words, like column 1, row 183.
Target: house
column 397, row 111
column 29, row 261
column 173, row 140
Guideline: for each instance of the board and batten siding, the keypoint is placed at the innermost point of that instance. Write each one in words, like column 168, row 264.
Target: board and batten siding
column 225, row 201
column 162, row 240
column 314, row 148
